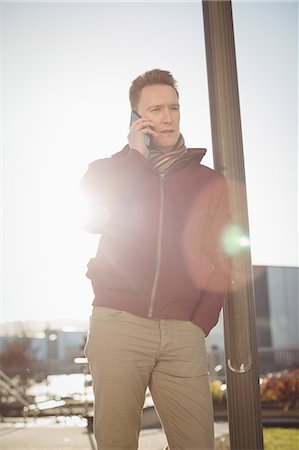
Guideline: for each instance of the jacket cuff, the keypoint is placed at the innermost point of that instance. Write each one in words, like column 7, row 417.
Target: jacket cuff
column 208, row 310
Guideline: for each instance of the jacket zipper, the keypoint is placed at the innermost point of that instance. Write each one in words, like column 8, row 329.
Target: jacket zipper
column 159, row 248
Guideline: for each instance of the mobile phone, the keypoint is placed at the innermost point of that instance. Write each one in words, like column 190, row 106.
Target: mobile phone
column 136, row 116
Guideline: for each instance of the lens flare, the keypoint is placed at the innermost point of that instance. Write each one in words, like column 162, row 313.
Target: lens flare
column 235, row 240
column 91, row 217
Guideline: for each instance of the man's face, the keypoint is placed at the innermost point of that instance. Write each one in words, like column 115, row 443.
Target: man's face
column 160, row 104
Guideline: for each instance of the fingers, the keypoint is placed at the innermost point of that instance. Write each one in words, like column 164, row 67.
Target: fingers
column 148, row 130
column 139, row 124
column 145, row 126
column 136, row 136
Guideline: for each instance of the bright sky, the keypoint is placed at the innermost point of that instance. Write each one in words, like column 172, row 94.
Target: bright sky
column 66, row 71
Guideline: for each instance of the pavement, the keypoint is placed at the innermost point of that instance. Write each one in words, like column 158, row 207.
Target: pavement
column 67, row 433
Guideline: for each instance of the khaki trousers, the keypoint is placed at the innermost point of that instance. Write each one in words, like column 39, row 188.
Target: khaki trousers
column 126, row 354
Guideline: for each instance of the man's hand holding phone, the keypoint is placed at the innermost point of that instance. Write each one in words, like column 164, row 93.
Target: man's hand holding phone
column 140, row 133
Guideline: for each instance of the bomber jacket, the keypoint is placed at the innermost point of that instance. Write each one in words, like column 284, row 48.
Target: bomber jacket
column 160, row 253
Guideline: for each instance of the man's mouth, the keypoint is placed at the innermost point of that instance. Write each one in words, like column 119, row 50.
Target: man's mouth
column 167, row 131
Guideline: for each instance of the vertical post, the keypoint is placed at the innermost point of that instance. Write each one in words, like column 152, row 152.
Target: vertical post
column 242, row 373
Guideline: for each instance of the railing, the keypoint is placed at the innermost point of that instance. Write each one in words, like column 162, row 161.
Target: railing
column 10, row 389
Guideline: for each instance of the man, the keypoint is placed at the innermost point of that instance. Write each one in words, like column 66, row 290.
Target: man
column 159, row 276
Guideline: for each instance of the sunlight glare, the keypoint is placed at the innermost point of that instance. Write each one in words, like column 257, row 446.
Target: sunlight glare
column 234, row 240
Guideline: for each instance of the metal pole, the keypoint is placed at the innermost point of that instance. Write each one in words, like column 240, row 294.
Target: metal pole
column 242, row 373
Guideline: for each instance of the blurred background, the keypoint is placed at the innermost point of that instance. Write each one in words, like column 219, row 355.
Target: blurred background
column 66, row 72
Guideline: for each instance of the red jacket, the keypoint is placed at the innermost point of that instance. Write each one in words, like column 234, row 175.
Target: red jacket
column 160, row 253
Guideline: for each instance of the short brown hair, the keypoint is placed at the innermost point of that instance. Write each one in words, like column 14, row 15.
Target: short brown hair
column 151, row 77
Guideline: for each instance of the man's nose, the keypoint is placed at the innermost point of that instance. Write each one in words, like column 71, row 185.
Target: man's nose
column 166, row 116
